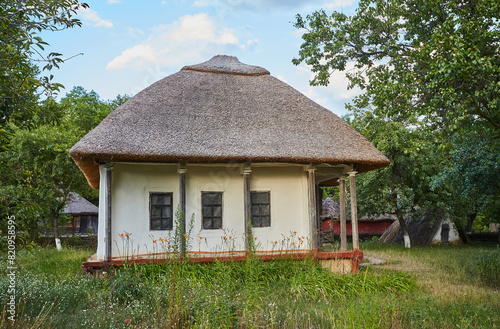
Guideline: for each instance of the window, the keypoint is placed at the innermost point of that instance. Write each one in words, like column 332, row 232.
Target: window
column 261, row 209
column 160, row 211
column 212, row 210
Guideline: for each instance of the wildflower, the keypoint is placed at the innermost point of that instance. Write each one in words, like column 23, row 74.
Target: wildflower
column 169, row 246
column 224, row 237
column 154, row 241
column 128, row 320
column 255, row 238
column 185, row 236
column 161, row 239
column 121, row 235
column 294, row 232
column 230, row 237
column 275, row 242
column 293, row 243
column 126, row 234
column 201, row 238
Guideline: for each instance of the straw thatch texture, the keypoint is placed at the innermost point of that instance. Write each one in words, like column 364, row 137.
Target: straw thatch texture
column 218, row 111
column 421, row 227
column 330, row 209
column 78, row 205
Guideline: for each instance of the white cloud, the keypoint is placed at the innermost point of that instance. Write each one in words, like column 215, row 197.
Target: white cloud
column 141, row 54
column 134, row 32
column 337, row 86
column 93, row 18
column 334, row 96
column 111, row 2
column 189, row 39
column 282, row 78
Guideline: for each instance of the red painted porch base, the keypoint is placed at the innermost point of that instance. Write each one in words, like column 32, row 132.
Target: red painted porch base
column 355, row 256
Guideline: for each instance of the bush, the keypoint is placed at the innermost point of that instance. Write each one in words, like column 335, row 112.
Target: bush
column 125, row 286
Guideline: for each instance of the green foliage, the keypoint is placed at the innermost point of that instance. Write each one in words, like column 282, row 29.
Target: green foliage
column 37, row 171
column 276, row 294
column 470, row 173
column 126, row 286
column 330, row 191
column 22, row 243
column 430, row 73
column 489, row 267
column 406, row 185
column 50, row 262
column 431, row 60
column 21, row 24
column 42, row 176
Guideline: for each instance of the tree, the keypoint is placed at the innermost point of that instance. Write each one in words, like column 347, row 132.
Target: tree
column 431, row 60
column 84, row 110
column 44, row 175
column 469, row 171
column 22, row 50
column 432, row 67
column 405, row 186
column 39, row 173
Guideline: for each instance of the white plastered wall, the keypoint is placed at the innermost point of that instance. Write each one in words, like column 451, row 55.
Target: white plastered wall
column 132, row 183
column 101, row 229
column 452, row 236
column 228, row 180
column 289, row 207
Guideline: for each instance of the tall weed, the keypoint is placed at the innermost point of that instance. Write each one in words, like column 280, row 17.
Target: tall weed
column 488, row 264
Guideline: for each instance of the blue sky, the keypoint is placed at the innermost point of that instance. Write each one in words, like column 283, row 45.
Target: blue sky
column 130, row 44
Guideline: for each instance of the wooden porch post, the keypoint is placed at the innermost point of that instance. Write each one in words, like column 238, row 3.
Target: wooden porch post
column 319, row 209
column 108, row 246
column 247, row 207
column 343, row 226
column 354, row 210
column 182, row 202
column 313, row 217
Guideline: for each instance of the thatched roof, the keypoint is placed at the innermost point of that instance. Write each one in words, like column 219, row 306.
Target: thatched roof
column 422, row 228
column 78, row 205
column 223, row 110
column 330, row 209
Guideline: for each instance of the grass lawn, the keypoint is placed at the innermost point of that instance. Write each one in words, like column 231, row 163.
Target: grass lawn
column 425, row 287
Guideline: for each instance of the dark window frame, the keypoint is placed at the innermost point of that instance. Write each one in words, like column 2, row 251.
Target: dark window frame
column 260, row 218
column 166, row 217
column 211, row 212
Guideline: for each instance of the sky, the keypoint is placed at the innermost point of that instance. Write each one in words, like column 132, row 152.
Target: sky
column 128, row 45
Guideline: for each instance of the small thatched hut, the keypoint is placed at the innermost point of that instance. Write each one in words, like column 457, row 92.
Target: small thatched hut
column 427, row 227
column 83, row 214
column 228, row 144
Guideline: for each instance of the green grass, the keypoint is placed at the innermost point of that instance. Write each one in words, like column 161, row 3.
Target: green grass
column 425, row 287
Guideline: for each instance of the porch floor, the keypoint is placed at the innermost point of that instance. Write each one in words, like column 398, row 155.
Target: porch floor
column 337, row 261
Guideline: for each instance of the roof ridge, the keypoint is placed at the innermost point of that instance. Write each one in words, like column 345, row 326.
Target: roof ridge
column 223, row 64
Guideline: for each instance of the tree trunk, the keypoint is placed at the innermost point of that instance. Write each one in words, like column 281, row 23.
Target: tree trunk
column 406, row 235
column 470, row 222
column 463, row 236
column 55, row 221
column 55, row 218
column 402, row 224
